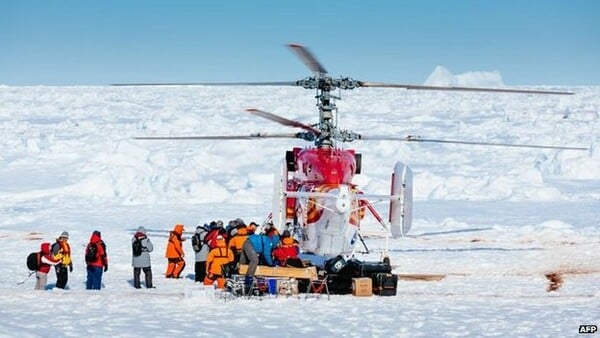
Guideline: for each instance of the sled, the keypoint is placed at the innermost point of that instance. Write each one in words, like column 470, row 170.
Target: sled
column 420, row 277
column 309, row 272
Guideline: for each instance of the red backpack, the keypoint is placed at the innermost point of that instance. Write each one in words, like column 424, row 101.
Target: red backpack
column 211, row 237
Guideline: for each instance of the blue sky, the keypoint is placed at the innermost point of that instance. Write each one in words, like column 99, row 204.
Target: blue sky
column 100, row 42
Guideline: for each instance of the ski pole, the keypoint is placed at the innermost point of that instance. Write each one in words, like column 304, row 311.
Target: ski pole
column 26, row 279
column 363, row 242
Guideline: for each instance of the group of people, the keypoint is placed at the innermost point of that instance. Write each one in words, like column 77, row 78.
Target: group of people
column 59, row 255
column 220, row 249
column 218, row 252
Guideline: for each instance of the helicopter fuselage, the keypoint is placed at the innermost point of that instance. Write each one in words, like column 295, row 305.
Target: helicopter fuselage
column 320, row 201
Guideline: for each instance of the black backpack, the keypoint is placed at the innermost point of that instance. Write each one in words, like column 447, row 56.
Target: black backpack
column 197, row 243
column 33, row 261
column 137, row 247
column 91, row 254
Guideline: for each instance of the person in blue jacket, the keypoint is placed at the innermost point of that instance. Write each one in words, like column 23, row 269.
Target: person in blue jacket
column 259, row 246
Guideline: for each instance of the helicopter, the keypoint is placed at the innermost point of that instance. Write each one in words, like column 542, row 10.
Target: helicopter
column 314, row 194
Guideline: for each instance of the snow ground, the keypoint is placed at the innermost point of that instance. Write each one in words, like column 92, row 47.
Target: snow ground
column 495, row 221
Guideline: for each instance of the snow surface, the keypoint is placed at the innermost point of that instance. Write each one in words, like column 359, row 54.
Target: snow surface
column 494, row 220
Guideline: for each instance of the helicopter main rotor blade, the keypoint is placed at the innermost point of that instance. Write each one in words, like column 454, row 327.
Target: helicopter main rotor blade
column 309, row 60
column 412, row 138
column 271, row 83
column 464, row 89
column 219, row 137
column 283, row 120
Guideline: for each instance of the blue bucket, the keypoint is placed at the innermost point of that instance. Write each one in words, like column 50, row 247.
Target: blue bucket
column 272, row 286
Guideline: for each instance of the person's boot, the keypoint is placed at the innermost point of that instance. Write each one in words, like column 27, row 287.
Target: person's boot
column 170, row 268
column 148, row 277
column 136, row 280
column 178, row 269
column 248, row 283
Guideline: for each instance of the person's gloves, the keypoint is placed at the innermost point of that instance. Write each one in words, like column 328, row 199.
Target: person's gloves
column 71, row 267
column 105, row 267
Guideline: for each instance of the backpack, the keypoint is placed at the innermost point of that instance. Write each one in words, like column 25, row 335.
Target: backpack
column 137, row 247
column 91, row 254
column 211, row 237
column 33, row 261
column 197, row 243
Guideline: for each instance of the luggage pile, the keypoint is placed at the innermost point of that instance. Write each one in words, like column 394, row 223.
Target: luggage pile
column 346, row 276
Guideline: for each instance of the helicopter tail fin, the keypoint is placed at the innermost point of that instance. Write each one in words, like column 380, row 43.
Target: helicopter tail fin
column 401, row 208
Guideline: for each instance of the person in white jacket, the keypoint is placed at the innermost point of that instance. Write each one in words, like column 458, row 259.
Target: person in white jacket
column 142, row 261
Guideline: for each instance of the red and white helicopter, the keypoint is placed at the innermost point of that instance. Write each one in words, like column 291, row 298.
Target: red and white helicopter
column 315, row 197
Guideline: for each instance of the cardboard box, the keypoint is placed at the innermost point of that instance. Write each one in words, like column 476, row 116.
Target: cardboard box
column 362, row 287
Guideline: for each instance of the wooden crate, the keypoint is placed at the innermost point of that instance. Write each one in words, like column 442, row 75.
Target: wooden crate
column 362, row 287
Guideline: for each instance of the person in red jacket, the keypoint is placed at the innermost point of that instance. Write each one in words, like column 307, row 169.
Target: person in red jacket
column 46, row 261
column 286, row 254
column 96, row 259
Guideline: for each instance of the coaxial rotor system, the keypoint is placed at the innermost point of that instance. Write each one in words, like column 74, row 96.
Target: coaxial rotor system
column 325, row 133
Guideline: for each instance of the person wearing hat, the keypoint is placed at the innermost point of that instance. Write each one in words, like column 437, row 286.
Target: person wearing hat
column 61, row 250
column 217, row 258
column 175, row 252
column 96, row 258
column 142, row 247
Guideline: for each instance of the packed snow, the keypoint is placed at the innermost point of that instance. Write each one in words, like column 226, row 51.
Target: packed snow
column 494, row 221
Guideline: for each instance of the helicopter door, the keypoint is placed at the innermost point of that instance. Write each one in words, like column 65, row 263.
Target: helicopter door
column 401, row 209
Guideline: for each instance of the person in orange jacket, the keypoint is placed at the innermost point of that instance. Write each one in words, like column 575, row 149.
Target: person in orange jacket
column 236, row 242
column 175, row 252
column 217, row 257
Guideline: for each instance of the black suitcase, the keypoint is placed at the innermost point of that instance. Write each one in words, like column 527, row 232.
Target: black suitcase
column 371, row 269
column 385, row 284
column 339, row 285
column 335, row 265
